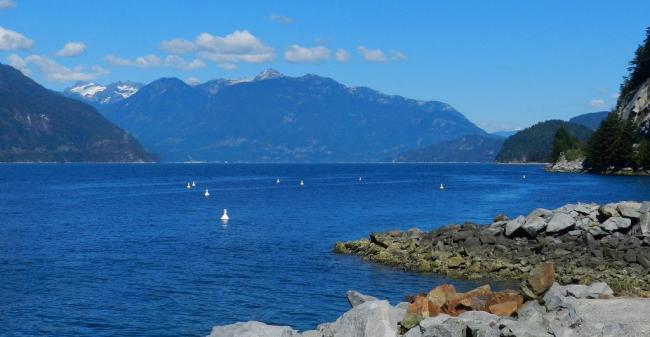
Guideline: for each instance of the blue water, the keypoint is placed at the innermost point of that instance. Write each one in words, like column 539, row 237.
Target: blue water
column 126, row 250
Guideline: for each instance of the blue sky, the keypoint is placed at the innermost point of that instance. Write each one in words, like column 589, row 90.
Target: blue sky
column 504, row 64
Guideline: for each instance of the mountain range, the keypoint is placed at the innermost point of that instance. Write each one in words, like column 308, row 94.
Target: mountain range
column 97, row 94
column 477, row 148
column 40, row 125
column 278, row 118
column 591, row 120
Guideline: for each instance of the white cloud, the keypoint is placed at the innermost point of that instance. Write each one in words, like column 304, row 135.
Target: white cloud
column 227, row 66
column 148, row 61
column 372, row 55
column 11, row 40
column 7, row 4
column 342, row 55
column 153, row 61
column 397, row 55
column 178, row 46
column 117, row 61
column 177, row 62
column 597, row 103
column 58, row 73
column 298, row 54
column 279, row 18
column 239, row 46
column 72, row 49
column 192, row 81
column 18, row 63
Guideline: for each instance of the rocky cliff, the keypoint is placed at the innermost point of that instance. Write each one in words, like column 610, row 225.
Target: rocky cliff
column 636, row 107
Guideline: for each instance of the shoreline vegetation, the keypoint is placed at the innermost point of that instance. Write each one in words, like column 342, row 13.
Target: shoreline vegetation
column 587, row 242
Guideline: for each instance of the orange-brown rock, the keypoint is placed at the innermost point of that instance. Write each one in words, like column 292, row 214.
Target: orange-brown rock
column 472, row 300
column 541, row 278
column 422, row 306
column 504, row 309
column 507, row 295
column 440, row 294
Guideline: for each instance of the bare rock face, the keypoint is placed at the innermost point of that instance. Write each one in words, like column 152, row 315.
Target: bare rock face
column 567, row 166
column 250, row 329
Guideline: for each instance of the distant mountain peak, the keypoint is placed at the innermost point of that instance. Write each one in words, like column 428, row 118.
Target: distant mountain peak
column 98, row 94
column 268, row 74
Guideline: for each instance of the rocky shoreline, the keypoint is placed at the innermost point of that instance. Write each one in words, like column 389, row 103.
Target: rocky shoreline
column 567, row 311
column 587, row 242
column 562, row 165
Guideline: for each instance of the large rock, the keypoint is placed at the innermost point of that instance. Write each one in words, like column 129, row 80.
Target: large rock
column 539, row 213
column 440, row 294
column 513, row 328
column 620, row 317
column 534, row 226
column 609, row 210
column 513, row 225
column 644, row 223
column 629, row 209
column 615, row 223
column 369, row 319
column 541, row 278
column 356, row 298
column 253, row 329
column 444, row 327
column 476, row 299
column 560, row 222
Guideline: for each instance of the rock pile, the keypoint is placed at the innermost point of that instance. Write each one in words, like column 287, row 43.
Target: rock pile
column 587, row 243
column 570, row 311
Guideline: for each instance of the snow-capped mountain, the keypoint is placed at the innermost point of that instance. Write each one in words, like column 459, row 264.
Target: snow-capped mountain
column 98, row 94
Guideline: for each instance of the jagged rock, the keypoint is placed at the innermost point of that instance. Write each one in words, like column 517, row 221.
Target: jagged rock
column 513, row 225
column 539, row 212
column 356, row 298
column 609, row 210
column 311, row 333
column 534, row 226
column 614, row 223
column 444, row 327
column 644, row 223
column 541, row 278
column 629, row 209
column 559, row 222
column 369, row 319
column 253, row 329
column 440, row 294
column 625, row 316
column 475, row 299
column 512, row 328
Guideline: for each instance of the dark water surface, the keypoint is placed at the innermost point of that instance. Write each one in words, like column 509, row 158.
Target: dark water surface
column 126, row 250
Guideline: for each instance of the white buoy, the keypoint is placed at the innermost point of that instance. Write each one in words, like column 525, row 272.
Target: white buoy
column 193, row 183
column 302, row 183
column 188, row 186
column 360, row 179
column 277, row 181
column 442, row 187
column 524, row 176
column 207, row 193
column 225, row 216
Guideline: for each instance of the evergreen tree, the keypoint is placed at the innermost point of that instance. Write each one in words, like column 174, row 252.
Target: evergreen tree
column 601, row 145
column 639, row 69
column 644, row 154
column 562, row 142
column 626, row 138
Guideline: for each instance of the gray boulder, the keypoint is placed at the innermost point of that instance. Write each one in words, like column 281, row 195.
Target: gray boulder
column 560, row 222
column 252, row 329
column 539, row 212
column 534, row 226
column 449, row 327
column 619, row 317
column 356, row 298
column 609, row 210
column 513, row 225
column 513, row 328
column 614, row 223
column 369, row 319
column 629, row 209
column 644, row 223
column 586, row 209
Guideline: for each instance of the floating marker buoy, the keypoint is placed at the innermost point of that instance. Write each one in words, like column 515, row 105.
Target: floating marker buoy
column 193, row 183
column 302, row 183
column 277, row 181
column 206, row 194
column 188, row 186
column 442, row 187
column 524, row 176
column 225, row 216
column 360, row 179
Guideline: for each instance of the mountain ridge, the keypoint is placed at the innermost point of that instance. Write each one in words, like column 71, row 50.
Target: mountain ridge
column 40, row 125
column 279, row 118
